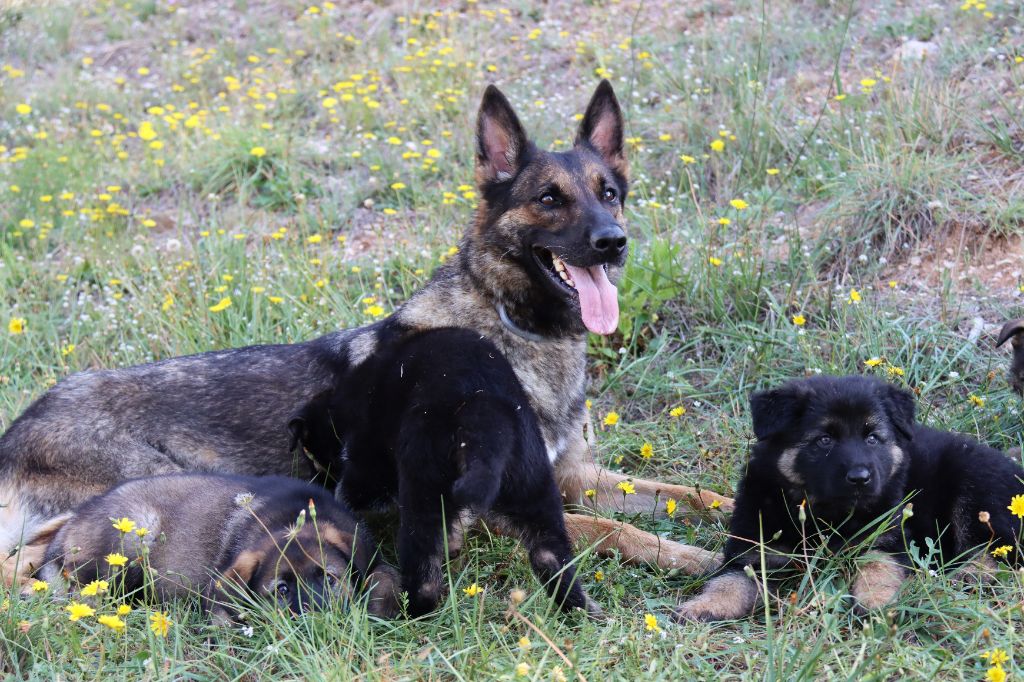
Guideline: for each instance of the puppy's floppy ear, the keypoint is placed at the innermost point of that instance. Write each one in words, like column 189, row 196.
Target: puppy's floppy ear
column 502, row 145
column 602, row 128
column 776, row 410
column 1013, row 329
column 901, row 408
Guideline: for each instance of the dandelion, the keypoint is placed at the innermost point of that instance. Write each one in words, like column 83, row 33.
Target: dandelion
column 716, row 504
column 651, row 623
column 522, row 670
column 1001, row 552
column 23, row 109
column 40, row 586
column 854, row 296
column 123, row 610
column 647, row 451
column 590, row 493
column 258, row 152
column 159, row 623
column 724, row 221
column 146, row 131
column 524, row 643
column 677, row 412
column 473, row 590
column 717, row 145
column 16, row 326
column 398, row 185
column 626, row 487
column 315, row 238
column 738, row 204
column 670, row 507
column 125, row 525
column 116, row 559
column 168, row 302
column 222, row 304
column 611, row 419
column 873, row 362
column 112, row 622
column 772, row 171
column 77, row 611
column 976, row 401
column 995, row 674
column 329, row 102
column 717, row 262
column 685, row 158
column 799, row 320
column 599, row 575
column 1017, row 506
column 996, row 656
column 95, row 587
column 557, row 675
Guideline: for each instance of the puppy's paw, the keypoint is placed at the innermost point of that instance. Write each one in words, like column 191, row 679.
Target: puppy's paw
column 878, row 581
column 726, row 597
column 593, row 609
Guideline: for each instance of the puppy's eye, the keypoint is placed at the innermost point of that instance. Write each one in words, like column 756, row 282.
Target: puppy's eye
column 824, row 441
column 548, row 199
column 610, row 195
column 332, row 580
column 872, row 439
column 282, row 589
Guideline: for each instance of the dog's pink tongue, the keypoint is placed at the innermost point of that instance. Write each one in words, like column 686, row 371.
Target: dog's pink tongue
column 599, row 299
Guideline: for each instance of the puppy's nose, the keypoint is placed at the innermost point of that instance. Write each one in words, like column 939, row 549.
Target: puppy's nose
column 608, row 239
column 859, row 476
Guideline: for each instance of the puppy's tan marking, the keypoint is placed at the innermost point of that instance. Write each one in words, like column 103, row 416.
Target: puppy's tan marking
column 726, row 597
column 878, row 580
column 787, row 466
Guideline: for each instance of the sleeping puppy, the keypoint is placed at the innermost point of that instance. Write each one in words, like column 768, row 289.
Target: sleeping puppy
column 271, row 537
column 849, row 448
column 438, row 423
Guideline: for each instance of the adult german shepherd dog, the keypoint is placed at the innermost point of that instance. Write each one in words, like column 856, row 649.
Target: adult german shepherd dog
column 534, row 272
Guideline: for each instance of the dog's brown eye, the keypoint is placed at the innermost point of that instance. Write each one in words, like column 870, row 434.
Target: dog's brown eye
column 282, row 589
column 871, row 439
column 548, row 199
column 610, row 195
column 825, row 441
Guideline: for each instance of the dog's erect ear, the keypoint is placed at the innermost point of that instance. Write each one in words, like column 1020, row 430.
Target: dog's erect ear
column 1014, row 329
column 901, row 408
column 602, row 127
column 776, row 410
column 501, row 142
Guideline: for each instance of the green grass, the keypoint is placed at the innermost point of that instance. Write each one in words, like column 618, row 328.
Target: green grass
column 113, row 250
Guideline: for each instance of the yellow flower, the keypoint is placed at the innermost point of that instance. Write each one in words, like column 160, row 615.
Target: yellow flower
column 626, row 487
column 651, row 623
column 868, row 82
column 1017, row 506
column 590, row 493
column 112, row 622
column 724, row 221
column 854, row 296
column 717, row 262
column 738, row 204
column 146, row 131
column 717, row 145
column 258, row 152
column 116, row 559
column 398, row 185
column 222, row 304
column 996, row 657
column 716, row 504
column 23, row 109
column 978, row 402
column 94, row 588
column 995, row 674
column 159, row 623
column 598, row 575
column 26, row 223
column 524, row 643
column 611, row 419
column 40, row 586
column 141, row 532
column 687, row 159
column 873, row 362
column 772, row 171
column 677, row 412
column 76, row 611
column 670, row 507
column 522, row 670
column 473, row 590
column 1001, row 552
column 16, row 325
column 329, row 102
column 123, row 610
column 799, row 320
column 647, row 451
column 125, row 525
column 168, row 302
column 314, row 238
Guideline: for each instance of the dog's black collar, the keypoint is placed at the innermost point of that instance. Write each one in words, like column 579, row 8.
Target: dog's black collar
column 512, row 327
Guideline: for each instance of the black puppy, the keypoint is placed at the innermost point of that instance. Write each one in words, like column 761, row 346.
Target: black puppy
column 849, row 449
column 438, row 422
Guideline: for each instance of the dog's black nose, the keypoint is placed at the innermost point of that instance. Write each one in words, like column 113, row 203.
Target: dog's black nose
column 608, row 239
column 859, row 476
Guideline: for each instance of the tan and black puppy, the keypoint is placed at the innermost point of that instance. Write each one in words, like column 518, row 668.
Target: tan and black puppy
column 844, row 453
column 1014, row 329
column 221, row 536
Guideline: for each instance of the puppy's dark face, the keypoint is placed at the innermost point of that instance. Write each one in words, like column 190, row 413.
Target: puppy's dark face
column 841, row 441
column 550, row 228
column 304, row 573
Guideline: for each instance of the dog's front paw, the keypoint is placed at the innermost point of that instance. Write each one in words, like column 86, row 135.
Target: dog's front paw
column 726, row 597
column 877, row 582
column 593, row 609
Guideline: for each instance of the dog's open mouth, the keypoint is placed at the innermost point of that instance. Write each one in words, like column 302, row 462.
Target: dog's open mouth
column 598, row 297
